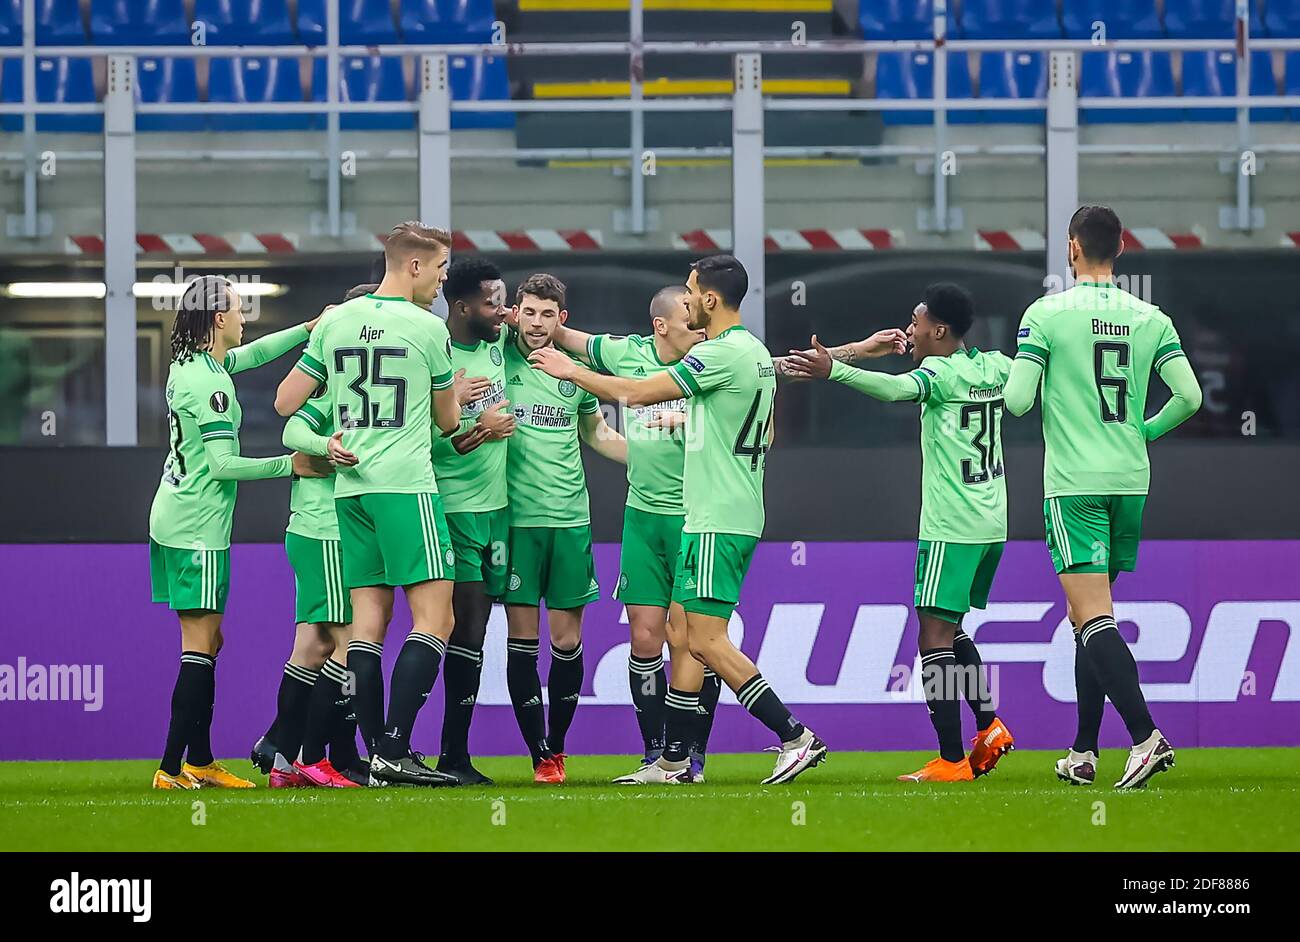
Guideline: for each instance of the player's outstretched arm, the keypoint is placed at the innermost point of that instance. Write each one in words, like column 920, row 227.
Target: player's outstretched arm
column 573, row 342
column 818, row 362
column 660, row 387
column 265, row 349
column 1022, row 385
column 228, row 465
column 602, row 439
column 1184, row 399
column 881, row 343
column 300, row 436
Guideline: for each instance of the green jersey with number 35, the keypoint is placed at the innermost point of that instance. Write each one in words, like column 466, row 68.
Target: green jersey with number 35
column 730, row 385
column 1097, row 345
column 963, row 491
column 382, row 359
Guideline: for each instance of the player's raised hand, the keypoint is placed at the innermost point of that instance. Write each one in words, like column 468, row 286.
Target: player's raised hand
column 497, row 421
column 782, row 365
column 553, row 363
column 470, row 388
column 311, row 466
column 337, row 453
column 311, row 324
column 810, row 364
column 667, row 420
column 883, row 342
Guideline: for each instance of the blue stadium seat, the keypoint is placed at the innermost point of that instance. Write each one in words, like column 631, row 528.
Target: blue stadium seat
column 58, row 22
column 1201, row 19
column 1282, row 18
column 139, row 22
column 1010, row 19
column 367, row 78
column 361, row 22
column 11, row 23
column 245, row 22
column 903, row 75
column 421, row 22
column 465, row 21
column 1291, row 81
column 166, row 81
column 1128, row 75
column 900, row 19
column 1211, row 74
column 62, row 79
column 480, row 78
column 256, row 79
column 1013, row 75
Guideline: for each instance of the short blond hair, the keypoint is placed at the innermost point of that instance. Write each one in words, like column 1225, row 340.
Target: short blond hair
column 411, row 238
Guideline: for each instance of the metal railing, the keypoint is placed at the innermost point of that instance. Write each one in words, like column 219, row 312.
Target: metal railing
column 434, row 153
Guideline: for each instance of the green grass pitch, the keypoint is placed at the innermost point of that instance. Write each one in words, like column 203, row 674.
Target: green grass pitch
column 1216, row 799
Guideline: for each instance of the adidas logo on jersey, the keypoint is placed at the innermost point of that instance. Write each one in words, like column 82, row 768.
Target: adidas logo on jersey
column 639, row 371
column 515, row 380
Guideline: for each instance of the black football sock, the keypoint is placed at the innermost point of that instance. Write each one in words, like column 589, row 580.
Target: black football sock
column 681, row 716
column 365, row 664
column 564, row 684
column 1113, row 663
column 200, row 747
column 1091, row 701
column 939, row 683
column 525, row 688
column 291, row 705
column 766, row 707
column 323, row 711
column 343, row 743
column 414, row 675
column 649, row 684
column 187, row 699
column 975, row 685
column 709, row 694
column 460, row 680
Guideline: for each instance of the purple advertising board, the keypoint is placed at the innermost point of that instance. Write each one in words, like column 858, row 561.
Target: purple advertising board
column 87, row 663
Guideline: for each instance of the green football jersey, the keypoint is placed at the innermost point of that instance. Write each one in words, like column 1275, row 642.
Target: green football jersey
column 963, row 491
column 655, row 457
column 382, row 359
column 311, row 500
column 475, row 482
column 1097, row 345
column 191, row 508
column 544, row 477
column 731, row 387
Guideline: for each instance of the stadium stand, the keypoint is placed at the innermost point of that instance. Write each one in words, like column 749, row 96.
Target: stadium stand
column 1282, row 18
column 902, row 75
column 1010, row 19
column 366, row 78
column 363, row 22
column 245, row 22
column 479, row 78
column 1127, row 75
column 1205, row 19
column 446, row 21
column 901, row 19
column 1214, row 74
column 58, row 22
column 256, row 79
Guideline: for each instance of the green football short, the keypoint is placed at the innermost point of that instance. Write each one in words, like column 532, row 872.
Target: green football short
column 1094, row 532
column 481, row 540
column 953, row 578
column 189, row 579
column 710, row 570
column 393, row 539
column 551, row 563
column 319, row 592
column 648, row 560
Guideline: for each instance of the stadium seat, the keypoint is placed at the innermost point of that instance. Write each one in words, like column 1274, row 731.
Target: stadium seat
column 465, row 21
column 58, row 22
column 903, row 75
column 1013, row 75
column 11, row 92
column 1201, row 19
column 245, row 22
column 139, row 22
column 1282, row 18
column 901, row 19
column 11, row 23
column 367, row 78
column 256, row 79
column 1128, row 75
column 1010, row 19
column 361, row 22
column 480, row 78
column 69, row 81
column 1213, row 74
column 1291, row 80
column 166, row 81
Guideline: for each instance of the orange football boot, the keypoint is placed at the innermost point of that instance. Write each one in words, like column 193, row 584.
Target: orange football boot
column 549, row 772
column 990, row 745
column 216, row 775
column 941, row 770
column 183, row 781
